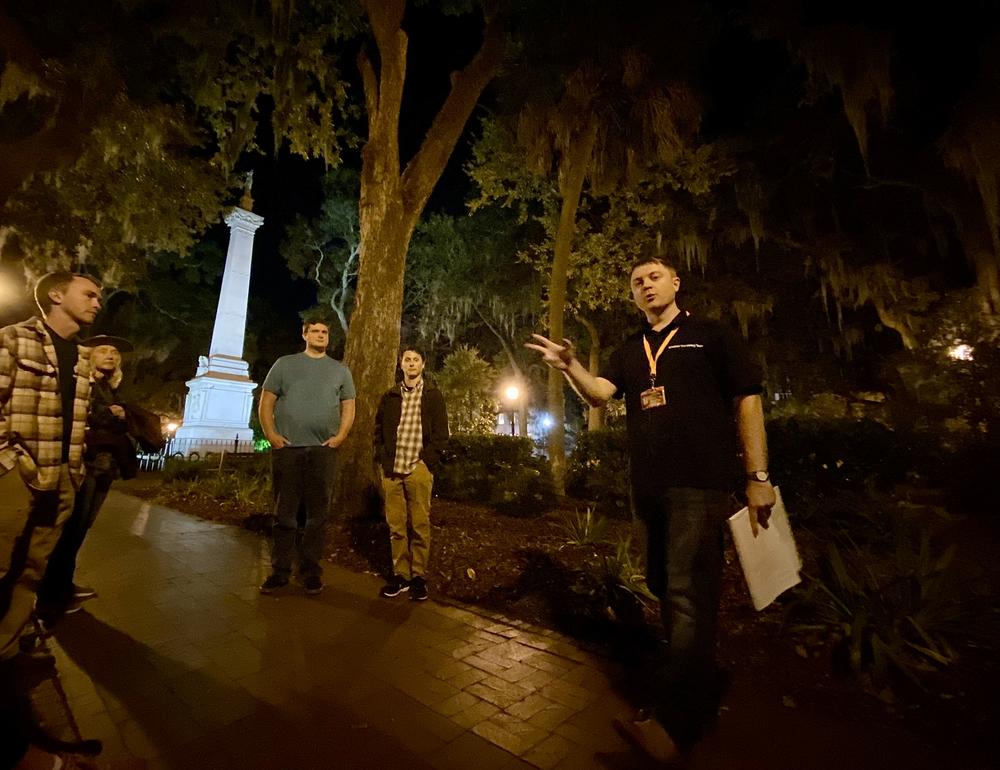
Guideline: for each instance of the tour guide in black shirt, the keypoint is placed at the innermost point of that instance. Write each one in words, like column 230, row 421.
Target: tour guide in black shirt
column 692, row 400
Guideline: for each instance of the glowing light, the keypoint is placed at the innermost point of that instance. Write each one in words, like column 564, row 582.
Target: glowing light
column 512, row 393
column 960, row 352
column 172, row 427
column 10, row 292
column 547, row 421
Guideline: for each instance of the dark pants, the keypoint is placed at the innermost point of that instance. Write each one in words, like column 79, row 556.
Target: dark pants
column 56, row 589
column 682, row 529
column 302, row 476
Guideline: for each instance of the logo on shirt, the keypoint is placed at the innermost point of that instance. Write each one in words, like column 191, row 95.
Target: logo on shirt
column 689, row 345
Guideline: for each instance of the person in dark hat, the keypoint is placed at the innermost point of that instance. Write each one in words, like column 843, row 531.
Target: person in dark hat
column 109, row 454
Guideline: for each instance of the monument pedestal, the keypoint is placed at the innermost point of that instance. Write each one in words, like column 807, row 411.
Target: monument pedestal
column 217, row 410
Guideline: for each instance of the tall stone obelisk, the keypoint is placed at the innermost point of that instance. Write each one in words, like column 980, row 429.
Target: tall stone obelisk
column 220, row 397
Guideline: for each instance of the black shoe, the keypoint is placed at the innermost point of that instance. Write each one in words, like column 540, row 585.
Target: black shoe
column 273, row 583
column 313, row 584
column 418, row 589
column 396, row 585
column 82, row 593
column 74, row 606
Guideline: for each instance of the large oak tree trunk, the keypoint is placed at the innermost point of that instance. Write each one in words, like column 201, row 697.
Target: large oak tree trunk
column 572, row 172
column 391, row 204
column 372, row 343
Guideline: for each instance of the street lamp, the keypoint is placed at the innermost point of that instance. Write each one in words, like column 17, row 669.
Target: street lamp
column 960, row 352
column 512, row 393
column 171, row 430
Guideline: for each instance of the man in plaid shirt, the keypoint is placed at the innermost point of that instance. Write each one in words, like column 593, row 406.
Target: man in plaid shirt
column 411, row 427
column 44, row 398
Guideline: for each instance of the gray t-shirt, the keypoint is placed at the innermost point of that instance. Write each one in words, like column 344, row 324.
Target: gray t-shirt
column 309, row 392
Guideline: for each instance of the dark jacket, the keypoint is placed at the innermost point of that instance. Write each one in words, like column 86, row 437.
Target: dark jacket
column 433, row 426
column 110, row 452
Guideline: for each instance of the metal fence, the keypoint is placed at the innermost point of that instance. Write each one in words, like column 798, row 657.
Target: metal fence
column 191, row 449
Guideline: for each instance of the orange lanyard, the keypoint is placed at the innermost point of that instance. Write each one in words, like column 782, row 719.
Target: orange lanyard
column 649, row 353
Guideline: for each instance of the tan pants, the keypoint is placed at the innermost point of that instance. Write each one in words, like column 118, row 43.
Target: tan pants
column 408, row 513
column 30, row 524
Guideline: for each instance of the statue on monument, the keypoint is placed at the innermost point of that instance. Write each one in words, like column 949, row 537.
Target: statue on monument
column 246, row 202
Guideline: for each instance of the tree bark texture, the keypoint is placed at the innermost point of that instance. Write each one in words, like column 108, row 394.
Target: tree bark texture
column 392, row 200
column 595, row 414
column 572, row 173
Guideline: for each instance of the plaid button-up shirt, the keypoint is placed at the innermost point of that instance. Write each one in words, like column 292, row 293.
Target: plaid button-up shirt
column 409, row 434
column 31, row 404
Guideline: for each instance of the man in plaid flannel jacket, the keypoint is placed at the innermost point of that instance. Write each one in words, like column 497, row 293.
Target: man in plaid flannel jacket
column 44, row 398
column 411, row 427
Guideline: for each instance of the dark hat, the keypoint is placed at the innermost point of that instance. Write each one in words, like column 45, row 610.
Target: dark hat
column 119, row 343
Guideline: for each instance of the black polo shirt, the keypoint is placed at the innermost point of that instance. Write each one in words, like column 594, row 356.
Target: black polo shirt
column 692, row 440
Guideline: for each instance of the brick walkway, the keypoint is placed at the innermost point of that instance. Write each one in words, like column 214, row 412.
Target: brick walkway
column 181, row 662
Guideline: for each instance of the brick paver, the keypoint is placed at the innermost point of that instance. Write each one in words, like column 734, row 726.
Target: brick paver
column 181, row 658
column 182, row 662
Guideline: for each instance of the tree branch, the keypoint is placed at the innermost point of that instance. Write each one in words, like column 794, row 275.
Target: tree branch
column 386, row 19
column 369, row 85
column 503, row 342
column 425, row 168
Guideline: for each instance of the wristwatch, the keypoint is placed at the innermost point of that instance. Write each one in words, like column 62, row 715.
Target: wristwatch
column 758, row 476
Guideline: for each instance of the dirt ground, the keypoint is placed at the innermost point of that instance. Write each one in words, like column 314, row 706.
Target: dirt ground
column 526, row 568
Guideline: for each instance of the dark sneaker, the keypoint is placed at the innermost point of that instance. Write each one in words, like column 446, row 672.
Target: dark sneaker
column 82, row 593
column 313, row 584
column 396, row 585
column 74, row 606
column 418, row 589
column 273, row 583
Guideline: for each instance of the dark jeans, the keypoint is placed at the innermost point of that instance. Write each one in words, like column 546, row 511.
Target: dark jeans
column 302, row 476
column 56, row 589
column 682, row 530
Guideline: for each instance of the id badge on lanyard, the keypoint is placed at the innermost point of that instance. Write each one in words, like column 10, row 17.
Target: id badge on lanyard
column 655, row 396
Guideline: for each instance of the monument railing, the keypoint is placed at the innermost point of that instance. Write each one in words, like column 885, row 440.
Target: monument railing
column 193, row 449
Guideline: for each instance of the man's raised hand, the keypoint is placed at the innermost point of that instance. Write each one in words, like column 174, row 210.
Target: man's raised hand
column 557, row 356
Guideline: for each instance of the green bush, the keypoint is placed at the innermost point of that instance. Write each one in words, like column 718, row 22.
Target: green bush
column 970, row 476
column 500, row 471
column 843, row 453
column 181, row 469
column 905, row 618
column 598, row 471
column 584, row 527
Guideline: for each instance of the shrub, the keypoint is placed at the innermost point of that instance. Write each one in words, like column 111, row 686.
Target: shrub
column 842, row 453
column 467, row 383
column 180, row 469
column 500, row 471
column 584, row 528
column 598, row 471
column 972, row 474
column 903, row 619
column 834, row 472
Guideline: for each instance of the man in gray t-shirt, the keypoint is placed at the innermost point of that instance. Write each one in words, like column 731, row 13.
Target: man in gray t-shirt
column 306, row 411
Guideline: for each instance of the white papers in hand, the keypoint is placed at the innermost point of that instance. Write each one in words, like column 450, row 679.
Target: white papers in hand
column 770, row 561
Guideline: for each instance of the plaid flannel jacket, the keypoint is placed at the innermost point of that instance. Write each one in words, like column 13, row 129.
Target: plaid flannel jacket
column 31, row 404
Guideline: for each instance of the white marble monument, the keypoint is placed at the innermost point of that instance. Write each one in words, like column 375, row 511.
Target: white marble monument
column 220, row 397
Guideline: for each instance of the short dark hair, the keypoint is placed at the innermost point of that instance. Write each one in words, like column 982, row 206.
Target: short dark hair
column 306, row 323
column 656, row 258
column 57, row 280
column 412, row 349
